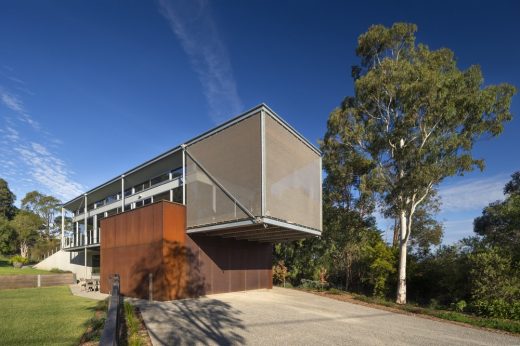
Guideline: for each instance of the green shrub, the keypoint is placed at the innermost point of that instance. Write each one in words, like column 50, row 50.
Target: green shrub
column 498, row 308
column 132, row 322
column 57, row 270
column 314, row 285
column 18, row 259
column 335, row 291
column 461, row 305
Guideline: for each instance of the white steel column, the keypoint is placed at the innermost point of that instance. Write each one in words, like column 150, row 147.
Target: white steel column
column 262, row 163
column 183, row 174
column 122, row 193
column 76, row 238
column 85, row 263
column 62, row 227
column 85, row 221
column 94, row 229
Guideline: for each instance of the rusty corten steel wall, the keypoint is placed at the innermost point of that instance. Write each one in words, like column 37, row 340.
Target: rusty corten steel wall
column 143, row 241
column 153, row 239
column 227, row 265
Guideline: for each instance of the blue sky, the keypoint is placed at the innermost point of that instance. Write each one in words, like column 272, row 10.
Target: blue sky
column 89, row 89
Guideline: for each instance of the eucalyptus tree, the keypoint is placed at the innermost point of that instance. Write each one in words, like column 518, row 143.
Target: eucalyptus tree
column 415, row 117
column 44, row 206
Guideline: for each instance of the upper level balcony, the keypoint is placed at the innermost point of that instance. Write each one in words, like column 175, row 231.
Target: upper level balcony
column 252, row 178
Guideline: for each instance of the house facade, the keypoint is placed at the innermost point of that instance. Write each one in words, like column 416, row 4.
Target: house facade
column 202, row 217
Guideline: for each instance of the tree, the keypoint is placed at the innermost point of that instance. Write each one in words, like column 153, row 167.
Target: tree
column 26, row 224
column 499, row 224
column 44, row 206
column 7, row 198
column 413, row 119
column 8, row 237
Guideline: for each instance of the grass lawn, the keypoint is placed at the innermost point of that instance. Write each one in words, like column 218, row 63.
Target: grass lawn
column 7, row 268
column 43, row 316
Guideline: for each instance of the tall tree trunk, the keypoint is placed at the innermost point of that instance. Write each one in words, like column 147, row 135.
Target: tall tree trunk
column 395, row 240
column 401, row 281
column 24, row 249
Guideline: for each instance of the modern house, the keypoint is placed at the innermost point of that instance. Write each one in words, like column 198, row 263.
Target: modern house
column 202, row 217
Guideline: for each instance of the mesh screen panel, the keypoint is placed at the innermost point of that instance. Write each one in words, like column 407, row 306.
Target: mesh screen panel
column 233, row 157
column 292, row 177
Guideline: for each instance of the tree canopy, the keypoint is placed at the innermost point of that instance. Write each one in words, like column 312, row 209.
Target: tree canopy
column 413, row 120
column 7, row 198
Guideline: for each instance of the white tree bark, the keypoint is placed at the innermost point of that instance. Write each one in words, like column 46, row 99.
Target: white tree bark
column 403, row 242
column 24, row 249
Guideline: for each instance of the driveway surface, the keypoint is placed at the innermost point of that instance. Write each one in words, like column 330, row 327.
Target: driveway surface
column 288, row 317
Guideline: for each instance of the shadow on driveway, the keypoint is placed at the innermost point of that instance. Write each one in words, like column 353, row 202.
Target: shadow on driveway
column 192, row 321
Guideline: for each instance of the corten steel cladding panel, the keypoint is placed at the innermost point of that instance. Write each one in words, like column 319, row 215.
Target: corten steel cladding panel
column 233, row 156
column 229, row 265
column 292, row 177
column 144, row 241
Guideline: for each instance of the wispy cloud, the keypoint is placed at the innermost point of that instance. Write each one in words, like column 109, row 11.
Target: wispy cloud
column 193, row 24
column 472, row 194
column 15, row 104
column 26, row 161
column 48, row 170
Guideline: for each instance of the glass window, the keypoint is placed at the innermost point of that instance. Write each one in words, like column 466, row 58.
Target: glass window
column 142, row 186
column 177, row 194
column 147, row 201
column 177, row 172
column 165, row 196
column 112, row 212
column 159, row 179
column 138, row 204
column 111, row 199
column 128, row 192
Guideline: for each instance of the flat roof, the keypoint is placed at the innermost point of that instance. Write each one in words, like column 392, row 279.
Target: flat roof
column 208, row 133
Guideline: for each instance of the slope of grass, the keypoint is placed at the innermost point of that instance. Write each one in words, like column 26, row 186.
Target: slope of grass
column 7, row 268
column 43, row 316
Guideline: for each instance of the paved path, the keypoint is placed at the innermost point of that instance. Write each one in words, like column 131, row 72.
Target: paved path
column 288, row 317
column 81, row 292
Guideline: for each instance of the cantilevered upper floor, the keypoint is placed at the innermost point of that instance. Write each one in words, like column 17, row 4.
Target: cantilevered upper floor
column 253, row 177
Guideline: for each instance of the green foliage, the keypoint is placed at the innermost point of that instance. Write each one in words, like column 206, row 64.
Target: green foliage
column 280, row 273
column 133, row 325
column 8, row 237
column 494, row 276
column 499, row 224
column 26, row 225
column 461, row 305
column 7, row 198
column 314, row 285
column 59, row 271
column 499, row 308
column 45, row 207
column 381, row 260
column 19, row 259
column 412, row 121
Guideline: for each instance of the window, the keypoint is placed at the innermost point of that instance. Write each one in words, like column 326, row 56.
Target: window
column 112, row 212
column 177, row 172
column 128, row 192
column 111, row 198
column 177, row 194
column 161, row 178
column 142, row 186
column 165, row 196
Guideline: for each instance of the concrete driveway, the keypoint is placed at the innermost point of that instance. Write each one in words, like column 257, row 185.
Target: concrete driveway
column 288, row 317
